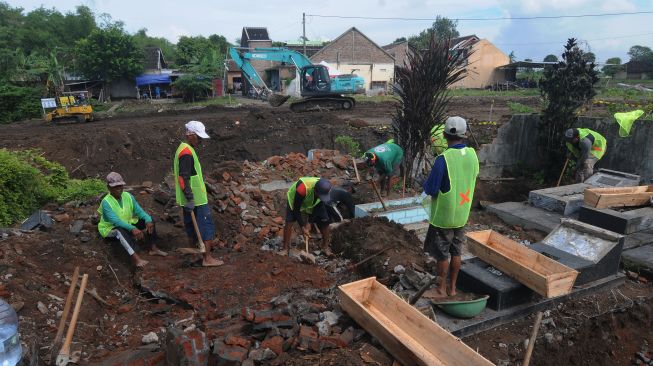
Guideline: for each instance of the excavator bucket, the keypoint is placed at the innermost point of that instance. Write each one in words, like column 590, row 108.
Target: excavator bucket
column 276, row 100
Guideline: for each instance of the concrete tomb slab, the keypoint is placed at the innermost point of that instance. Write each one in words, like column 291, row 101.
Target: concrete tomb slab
column 526, row 216
column 622, row 221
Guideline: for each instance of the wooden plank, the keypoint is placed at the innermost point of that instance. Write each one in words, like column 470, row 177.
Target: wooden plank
column 538, row 272
column 618, row 197
column 406, row 333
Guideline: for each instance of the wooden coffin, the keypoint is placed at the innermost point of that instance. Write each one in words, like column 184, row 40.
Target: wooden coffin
column 618, row 197
column 538, row 272
column 409, row 336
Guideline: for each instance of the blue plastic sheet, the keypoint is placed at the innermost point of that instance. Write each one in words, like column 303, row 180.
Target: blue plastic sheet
column 153, row 79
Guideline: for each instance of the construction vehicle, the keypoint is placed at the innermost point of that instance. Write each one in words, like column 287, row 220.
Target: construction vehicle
column 69, row 105
column 318, row 89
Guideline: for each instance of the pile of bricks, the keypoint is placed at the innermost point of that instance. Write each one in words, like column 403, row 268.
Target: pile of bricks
column 240, row 196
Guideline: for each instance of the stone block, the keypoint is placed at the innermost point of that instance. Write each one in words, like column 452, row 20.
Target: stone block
column 186, row 349
column 566, row 200
column 229, row 355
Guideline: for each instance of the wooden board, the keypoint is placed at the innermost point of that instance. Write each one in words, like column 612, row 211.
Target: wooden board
column 618, row 197
column 409, row 336
column 538, row 272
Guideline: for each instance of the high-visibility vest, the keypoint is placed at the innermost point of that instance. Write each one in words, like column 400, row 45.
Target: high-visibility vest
column 125, row 213
column 451, row 210
column 310, row 201
column 598, row 147
column 196, row 181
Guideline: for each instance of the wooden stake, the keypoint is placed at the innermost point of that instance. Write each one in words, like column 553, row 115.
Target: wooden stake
column 66, row 307
column 197, row 232
column 403, row 187
column 562, row 173
column 378, row 194
column 358, row 177
column 531, row 341
column 353, row 266
column 306, row 238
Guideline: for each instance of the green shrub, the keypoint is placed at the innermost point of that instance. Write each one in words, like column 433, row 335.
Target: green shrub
column 518, row 108
column 28, row 180
column 18, row 103
column 351, row 146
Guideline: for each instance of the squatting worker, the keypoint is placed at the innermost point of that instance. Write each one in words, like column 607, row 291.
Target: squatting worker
column 588, row 147
column 190, row 191
column 451, row 186
column 386, row 159
column 123, row 220
column 308, row 195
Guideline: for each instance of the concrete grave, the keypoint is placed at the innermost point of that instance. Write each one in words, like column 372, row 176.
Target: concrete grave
column 583, row 266
column 526, row 216
column 403, row 211
column 622, row 221
column 598, row 246
column 639, row 259
column 606, row 178
column 565, row 199
column 479, row 277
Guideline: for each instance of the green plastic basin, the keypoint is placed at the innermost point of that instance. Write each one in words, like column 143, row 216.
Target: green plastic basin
column 463, row 309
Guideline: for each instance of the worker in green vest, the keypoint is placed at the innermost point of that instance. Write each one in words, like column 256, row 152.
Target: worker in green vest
column 386, row 159
column 123, row 220
column 308, row 196
column 438, row 142
column 190, row 191
column 588, row 147
column 450, row 186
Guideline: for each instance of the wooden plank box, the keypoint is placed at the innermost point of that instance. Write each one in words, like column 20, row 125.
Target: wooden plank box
column 538, row 272
column 618, row 197
column 409, row 336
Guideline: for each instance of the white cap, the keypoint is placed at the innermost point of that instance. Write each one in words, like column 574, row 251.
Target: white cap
column 455, row 126
column 197, row 128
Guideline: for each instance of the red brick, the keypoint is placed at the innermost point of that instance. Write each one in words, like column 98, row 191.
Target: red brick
column 186, row 349
column 263, row 233
column 278, row 220
column 274, row 343
column 334, row 340
column 237, row 341
column 223, row 328
column 229, row 355
column 248, row 314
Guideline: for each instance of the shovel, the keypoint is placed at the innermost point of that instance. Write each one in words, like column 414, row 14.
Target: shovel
column 64, row 356
column 202, row 247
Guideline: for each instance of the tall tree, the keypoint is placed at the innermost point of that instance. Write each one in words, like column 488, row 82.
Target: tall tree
column 143, row 41
column 613, row 66
column 551, row 58
column 109, row 54
column 590, row 57
column 565, row 87
column 640, row 54
column 422, row 89
column 442, row 29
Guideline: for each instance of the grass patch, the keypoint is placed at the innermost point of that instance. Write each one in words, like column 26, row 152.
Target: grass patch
column 28, row 180
column 518, row 108
column 349, row 145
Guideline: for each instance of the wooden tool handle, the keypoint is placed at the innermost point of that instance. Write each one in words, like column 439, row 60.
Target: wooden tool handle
column 358, row 177
column 531, row 341
column 65, row 349
column 378, row 194
column 306, row 238
column 66, row 307
column 197, row 232
column 562, row 173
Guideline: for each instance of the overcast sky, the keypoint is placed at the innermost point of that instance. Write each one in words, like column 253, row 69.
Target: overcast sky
column 605, row 36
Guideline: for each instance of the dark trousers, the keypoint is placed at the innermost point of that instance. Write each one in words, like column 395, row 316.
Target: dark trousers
column 127, row 240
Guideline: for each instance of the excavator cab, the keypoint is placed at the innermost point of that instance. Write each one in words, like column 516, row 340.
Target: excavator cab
column 315, row 80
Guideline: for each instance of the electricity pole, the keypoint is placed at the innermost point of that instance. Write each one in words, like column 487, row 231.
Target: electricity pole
column 304, row 31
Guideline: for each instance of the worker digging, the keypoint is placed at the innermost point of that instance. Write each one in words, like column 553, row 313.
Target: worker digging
column 190, row 193
column 385, row 159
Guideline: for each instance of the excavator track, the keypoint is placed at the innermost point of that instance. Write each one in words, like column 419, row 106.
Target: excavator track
column 323, row 103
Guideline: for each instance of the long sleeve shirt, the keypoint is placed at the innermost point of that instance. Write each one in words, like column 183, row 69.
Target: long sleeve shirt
column 112, row 217
column 438, row 180
column 186, row 170
column 339, row 195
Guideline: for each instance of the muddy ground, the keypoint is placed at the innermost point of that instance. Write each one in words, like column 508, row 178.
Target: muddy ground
column 605, row 328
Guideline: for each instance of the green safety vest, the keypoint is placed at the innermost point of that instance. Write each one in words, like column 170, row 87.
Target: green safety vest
column 598, row 148
column 310, row 201
column 196, row 181
column 125, row 213
column 451, row 210
column 438, row 142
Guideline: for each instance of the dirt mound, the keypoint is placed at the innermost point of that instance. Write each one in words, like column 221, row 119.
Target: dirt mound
column 361, row 238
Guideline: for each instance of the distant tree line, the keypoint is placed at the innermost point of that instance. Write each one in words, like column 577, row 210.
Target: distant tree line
column 40, row 48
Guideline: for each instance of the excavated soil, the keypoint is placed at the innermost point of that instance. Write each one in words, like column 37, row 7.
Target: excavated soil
column 363, row 237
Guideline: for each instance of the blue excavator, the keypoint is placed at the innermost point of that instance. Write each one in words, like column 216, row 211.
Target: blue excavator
column 318, row 90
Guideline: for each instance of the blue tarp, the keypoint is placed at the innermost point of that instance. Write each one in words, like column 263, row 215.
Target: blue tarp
column 153, row 79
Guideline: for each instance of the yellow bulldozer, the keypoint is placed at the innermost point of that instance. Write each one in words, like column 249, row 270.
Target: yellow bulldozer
column 69, row 105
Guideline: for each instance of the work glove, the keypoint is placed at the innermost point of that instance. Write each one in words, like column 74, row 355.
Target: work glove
column 189, row 205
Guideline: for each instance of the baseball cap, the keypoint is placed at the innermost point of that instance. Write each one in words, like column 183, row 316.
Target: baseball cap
column 571, row 133
column 455, row 126
column 197, row 128
column 322, row 188
column 370, row 159
column 114, row 179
